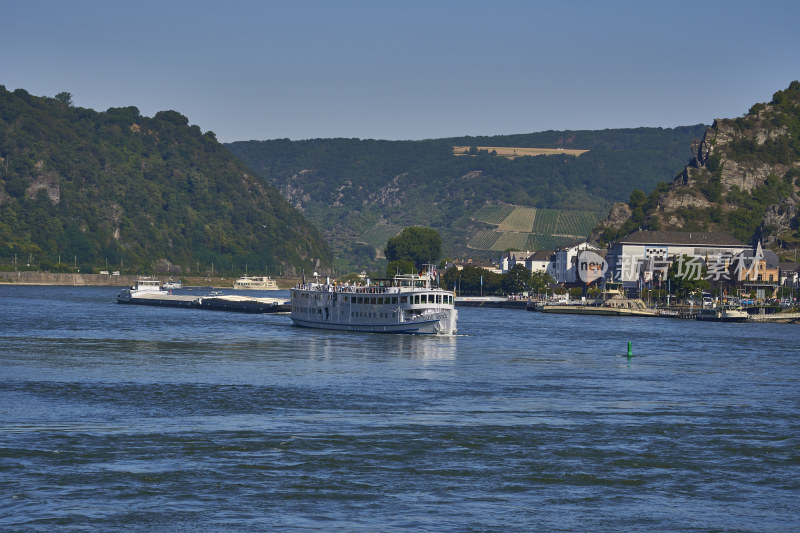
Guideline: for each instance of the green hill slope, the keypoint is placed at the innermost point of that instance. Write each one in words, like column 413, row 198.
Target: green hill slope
column 351, row 188
column 116, row 189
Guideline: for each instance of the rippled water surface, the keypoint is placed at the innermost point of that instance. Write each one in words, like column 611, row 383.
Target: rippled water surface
column 118, row 417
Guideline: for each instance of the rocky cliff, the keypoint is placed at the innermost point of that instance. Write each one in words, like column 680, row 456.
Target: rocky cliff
column 743, row 179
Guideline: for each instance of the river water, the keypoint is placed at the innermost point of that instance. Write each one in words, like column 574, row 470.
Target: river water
column 118, row 417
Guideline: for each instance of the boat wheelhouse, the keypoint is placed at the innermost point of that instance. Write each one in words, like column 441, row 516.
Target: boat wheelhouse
column 411, row 303
column 142, row 286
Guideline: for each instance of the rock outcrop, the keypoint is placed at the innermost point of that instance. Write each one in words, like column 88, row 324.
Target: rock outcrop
column 619, row 214
column 743, row 179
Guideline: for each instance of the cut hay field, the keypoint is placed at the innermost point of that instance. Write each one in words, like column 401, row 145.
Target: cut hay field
column 511, row 152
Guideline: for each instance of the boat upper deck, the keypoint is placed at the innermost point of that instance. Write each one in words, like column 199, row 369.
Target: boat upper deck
column 401, row 283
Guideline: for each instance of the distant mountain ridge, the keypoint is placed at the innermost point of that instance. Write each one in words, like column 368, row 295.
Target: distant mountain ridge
column 363, row 190
column 114, row 189
column 743, row 179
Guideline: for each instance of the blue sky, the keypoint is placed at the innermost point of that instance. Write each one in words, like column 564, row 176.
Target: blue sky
column 405, row 70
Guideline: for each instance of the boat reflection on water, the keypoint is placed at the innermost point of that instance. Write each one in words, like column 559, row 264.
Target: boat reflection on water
column 328, row 344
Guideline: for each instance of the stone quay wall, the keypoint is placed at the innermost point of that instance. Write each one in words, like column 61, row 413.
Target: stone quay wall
column 58, row 278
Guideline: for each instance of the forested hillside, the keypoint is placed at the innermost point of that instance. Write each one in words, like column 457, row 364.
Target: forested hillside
column 356, row 190
column 117, row 190
column 744, row 179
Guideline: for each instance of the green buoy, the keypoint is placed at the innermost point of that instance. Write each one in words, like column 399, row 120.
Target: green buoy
column 630, row 352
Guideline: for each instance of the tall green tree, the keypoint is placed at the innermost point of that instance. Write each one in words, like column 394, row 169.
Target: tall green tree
column 400, row 266
column 472, row 280
column 540, row 280
column 65, row 98
column 687, row 275
column 416, row 244
column 516, row 280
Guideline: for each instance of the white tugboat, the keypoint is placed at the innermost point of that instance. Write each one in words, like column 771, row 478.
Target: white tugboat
column 724, row 312
column 144, row 287
column 410, row 303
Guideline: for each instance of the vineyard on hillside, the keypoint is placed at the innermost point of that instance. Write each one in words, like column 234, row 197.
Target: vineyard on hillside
column 510, row 240
column 547, row 242
column 516, row 227
column 576, row 222
column 545, row 223
column 520, row 219
column 527, row 228
column 484, row 240
column 493, row 214
column 378, row 234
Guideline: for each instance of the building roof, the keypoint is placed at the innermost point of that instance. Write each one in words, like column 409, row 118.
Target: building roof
column 516, row 255
column 478, row 262
column 579, row 244
column 789, row 266
column 769, row 257
column 701, row 238
column 541, row 255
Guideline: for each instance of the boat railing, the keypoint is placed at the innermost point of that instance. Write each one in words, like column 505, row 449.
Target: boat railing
column 342, row 288
column 358, row 289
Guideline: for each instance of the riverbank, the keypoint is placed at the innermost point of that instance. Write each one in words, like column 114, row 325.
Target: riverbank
column 489, row 301
column 124, row 280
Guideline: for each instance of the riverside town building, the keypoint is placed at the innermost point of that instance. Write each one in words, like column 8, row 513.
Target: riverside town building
column 643, row 258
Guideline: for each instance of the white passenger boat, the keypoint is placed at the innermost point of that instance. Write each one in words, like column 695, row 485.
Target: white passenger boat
column 409, row 303
column 142, row 287
column 255, row 283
